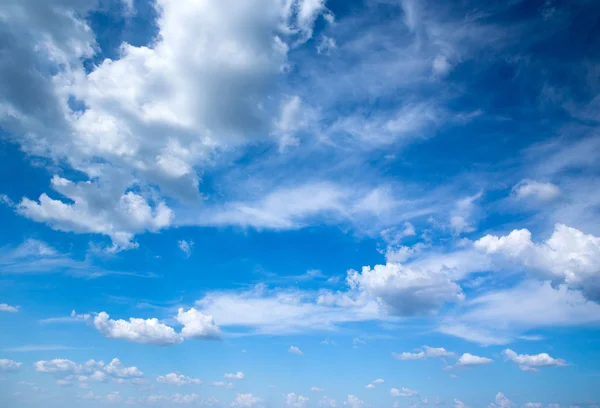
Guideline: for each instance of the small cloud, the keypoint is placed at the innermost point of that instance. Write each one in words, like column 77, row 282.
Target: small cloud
column 186, row 247
column 237, row 376
column 8, row 308
column 531, row 190
column 295, row 350
column 405, row 392
column 316, row 389
column 326, row 45
column 356, row 342
column 369, row 386
column 468, row 359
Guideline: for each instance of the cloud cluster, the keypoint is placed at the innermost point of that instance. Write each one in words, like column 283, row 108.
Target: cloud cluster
column 68, row 371
column 177, row 379
column 9, row 366
column 532, row 362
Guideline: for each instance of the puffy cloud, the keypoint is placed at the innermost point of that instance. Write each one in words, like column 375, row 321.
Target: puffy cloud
column 186, row 247
column 501, row 402
column 369, row 386
column 149, row 331
column 177, row 379
column 235, row 376
column 295, row 401
column 197, row 325
column 531, row 190
column 468, row 359
column 405, row 392
column 116, row 369
column 9, row 366
column 353, row 402
column 568, row 256
column 245, row 400
column 378, row 381
column 531, row 362
column 295, row 350
column 427, row 352
column 404, row 290
column 8, row 308
column 92, row 370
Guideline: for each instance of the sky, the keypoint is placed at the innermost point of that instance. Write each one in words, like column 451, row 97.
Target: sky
column 299, row 203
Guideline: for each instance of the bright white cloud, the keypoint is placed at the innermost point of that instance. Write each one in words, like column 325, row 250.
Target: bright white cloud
column 406, row 291
column 531, row 190
column 8, row 308
column 177, row 379
column 197, row 325
column 568, row 256
column 149, row 331
column 295, row 401
column 468, row 359
column 245, row 400
column 502, row 402
column 116, row 369
column 9, row 366
column 235, row 376
column 295, row 350
column 404, row 392
column 90, row 371
column 531, row 362
column 186, row 247
column 427, row 352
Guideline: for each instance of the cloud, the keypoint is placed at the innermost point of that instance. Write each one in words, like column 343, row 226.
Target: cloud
column 316, row 389
column 236, row 376
column 569, row 256
column 9, row 366
column 533, row 405
column 73, row 318
column 353, row 402
column 8, row 308
column 245, row 400
column 460, row 217
column 501, row 402
column 370, row 386
column 406, row 291
column 468, row 359
column 177, row 379
column 222, row 384
column 295, row 350
column 405, row 392
column 531, row 190
column 459, row 404
column 92, row 370
column 148, row 331
column 186, row 247
column 197, row 325
column 427, row 352
column 531, row 362
column 295, row 401
column 378, row 381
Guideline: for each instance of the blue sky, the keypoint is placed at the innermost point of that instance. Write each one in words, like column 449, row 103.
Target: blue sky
column 299, row 203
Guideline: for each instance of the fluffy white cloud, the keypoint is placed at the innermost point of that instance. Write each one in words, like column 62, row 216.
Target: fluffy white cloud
column 116, row 369
column 8, row 308
column 177, row 379
column 531, row 190
column 235, row 376
column 568, row 256
column 327, row 402
column 461, row 216
column 92, row 370
column 468, row 359
column 149, row 331
column 197, row 325
column 353, row 402
column 295, row 350
column 531, row 362
column 405, row 392
column 501, row 402
column 406, row 291
column 9, row 366
column 295, row 401
column 245, row 400
column 427, row 352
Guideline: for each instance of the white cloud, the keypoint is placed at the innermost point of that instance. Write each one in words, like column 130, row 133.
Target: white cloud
column 316, row 389
column 459, row 404
column 114, row 397
column 568, row 256
column 116, row 369
column 427, row 352
column 236, row 376
column 531, row 190
column 533, row 405
column 295, row 350
column 186, row 247
column 468, row 359
column 353, row 402
column 327, row 402
column 531, row 362
column 149, row 331
column 177, row 379
column 91, row 370
column 370, row 386
column 406, row 291
column 501, row 402
column 378, row 381
column 8, row 308
column 326, row 45
column 197, row 325
column 461, row 217
column 9, row 366
column 245, row 400
column 405, row 392
column 295, row 401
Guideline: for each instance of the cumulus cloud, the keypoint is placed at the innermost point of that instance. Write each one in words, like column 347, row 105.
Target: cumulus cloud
column 404, row 290
column 468, row 359
column 531, row 362
column 245, row 400
column 9, row 366
column 235, row 376
column 295, row 401
column 295, row 350
column 8, row 308
column 531, row 190
column 353, row 402
column 177, row 379
column 404, row 392
column 427, row 352
column 461, row 217
column 501, row 402
column 197, row 325
column 569, row 256
column 148, row 331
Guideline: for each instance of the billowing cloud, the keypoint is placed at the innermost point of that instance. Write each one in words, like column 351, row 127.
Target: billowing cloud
column 502, row 402
column 245, row 400
column 295, row 401
column 197, row 325
column 531, row 362
column 149, row 331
